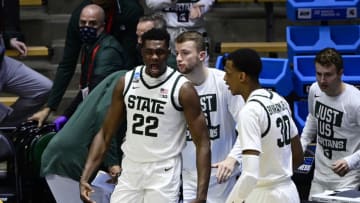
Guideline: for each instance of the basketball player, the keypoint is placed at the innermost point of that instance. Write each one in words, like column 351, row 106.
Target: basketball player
column 157, row 103
column 334, row 118
column 268, row 136
column 221, row 110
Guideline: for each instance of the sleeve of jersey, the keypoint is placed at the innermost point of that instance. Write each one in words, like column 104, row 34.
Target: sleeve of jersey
column 353, row 160
column 236, row 152
column 252, row 121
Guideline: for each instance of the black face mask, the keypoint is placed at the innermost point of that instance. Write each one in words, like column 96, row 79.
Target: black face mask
column 88, row 34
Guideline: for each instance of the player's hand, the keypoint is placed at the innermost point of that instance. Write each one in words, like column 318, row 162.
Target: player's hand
column 224, row 169
column 340, row 167
column 85, row 192
column 19, row 46
column 196, row 11
column 40, row 116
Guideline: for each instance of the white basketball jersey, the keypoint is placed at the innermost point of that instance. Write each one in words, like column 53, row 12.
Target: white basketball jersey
column 221, row 110
column 266, row 126
column 155, row 121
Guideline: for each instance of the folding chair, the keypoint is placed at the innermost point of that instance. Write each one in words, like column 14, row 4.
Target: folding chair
column 10, row 185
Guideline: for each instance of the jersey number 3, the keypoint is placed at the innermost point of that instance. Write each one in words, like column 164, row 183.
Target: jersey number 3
column 145, row 125
column 284, row 124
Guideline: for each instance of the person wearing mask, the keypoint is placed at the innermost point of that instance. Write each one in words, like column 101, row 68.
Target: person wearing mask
column 101, row 55
column 121, row 18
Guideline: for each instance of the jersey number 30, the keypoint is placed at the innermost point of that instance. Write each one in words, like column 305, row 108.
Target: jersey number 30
column 145, row 125
column 284, row 124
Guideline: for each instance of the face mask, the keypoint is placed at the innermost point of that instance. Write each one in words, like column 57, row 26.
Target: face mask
column 88, row 34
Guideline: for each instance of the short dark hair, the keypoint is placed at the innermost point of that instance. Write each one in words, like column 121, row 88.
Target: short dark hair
column 329, row 56
column 156, row 18
column 246, row 60
column 156, row 34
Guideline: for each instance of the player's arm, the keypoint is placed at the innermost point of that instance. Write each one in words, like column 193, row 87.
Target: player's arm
column 343, row 166
column 309, row 132
column 227, row 167
column 248, row 179
column 101, row 141
column 190, row 102
column 297, row 152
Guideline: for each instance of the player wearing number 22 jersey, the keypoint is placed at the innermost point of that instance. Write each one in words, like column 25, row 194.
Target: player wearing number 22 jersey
column 146, row 107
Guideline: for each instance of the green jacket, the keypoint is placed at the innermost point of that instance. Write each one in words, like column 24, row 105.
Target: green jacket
column 123, row 29
column 98, row 60
column 66, row 153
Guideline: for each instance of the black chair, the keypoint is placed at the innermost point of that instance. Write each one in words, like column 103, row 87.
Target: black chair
column 10, row 182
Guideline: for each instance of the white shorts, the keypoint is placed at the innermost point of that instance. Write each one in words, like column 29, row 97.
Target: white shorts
column 284, row 192
column 148, row 182
column 217, row 193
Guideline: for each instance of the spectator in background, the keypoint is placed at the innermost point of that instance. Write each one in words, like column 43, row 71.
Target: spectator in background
column 182, row 15
column 268, row 136
column 31, row 87
column 334, row 119
column 101, row 55
column 221, row 110
column 145, row 24
column 10, row 22
column 121, row 20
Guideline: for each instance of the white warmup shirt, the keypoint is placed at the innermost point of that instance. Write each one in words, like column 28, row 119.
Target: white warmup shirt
column 335, row 121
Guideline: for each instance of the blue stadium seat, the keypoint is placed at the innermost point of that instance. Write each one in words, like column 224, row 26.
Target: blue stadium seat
column 276, row 74
column 308, row 40
column 306, row 10
column 300, row 114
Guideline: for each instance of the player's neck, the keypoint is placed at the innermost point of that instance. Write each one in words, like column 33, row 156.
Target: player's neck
column 198, row 75
column 250, row 89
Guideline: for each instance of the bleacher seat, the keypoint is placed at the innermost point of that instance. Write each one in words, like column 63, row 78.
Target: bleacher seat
column 8, row 101
column 32, row 51
column 31, row 2
column 265, row 47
